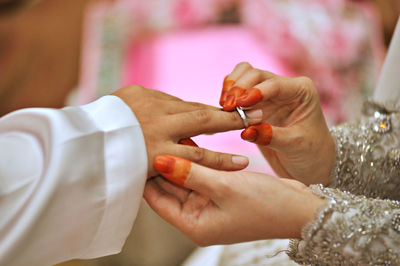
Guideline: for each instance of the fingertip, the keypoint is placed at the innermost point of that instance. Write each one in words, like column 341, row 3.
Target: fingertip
column 261, row 134
column 164, row 163
column 173, row 168
column 265, row 134
column 249, row 134
column 249, row 98
column 225, row 88
column 230, row 103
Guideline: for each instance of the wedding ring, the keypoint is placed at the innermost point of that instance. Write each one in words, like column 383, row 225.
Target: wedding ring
column 243, row 116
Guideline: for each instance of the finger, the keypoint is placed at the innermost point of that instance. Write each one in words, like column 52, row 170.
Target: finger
column 252, row 77
column 229, row 80
column 279, row 88
column 212, row 159
column 190, row 175
column 164, row 204
column 228, row 83
column 174, row 107
column 231, row 97
column 246, row 81
column 249, row 98
column 266, row 135
column 204, row 121
column 181, row 193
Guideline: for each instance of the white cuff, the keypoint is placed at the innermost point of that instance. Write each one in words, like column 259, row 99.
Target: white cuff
column 125, row 172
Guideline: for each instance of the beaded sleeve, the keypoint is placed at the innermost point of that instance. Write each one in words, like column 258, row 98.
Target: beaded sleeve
column 360, row 223
column 350, row 230
column 368, row 154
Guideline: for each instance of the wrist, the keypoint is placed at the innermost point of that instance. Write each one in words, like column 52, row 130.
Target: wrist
column 306, row 210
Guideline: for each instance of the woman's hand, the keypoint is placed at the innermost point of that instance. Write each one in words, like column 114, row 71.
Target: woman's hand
column 293, row 137
column 218, row 207
column 168, row 122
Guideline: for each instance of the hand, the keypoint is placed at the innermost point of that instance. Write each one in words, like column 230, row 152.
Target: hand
column 218, row 207
column 293, row 137
column 167, row 121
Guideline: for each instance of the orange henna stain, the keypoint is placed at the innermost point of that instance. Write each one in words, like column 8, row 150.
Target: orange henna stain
column 175, row 169
column 249, row 98
column 188, row 141
column 260, row 134
column 231, row 98
column 225, row 88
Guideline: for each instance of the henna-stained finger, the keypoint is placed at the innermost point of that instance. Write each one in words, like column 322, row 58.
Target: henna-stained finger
column 231, row 98
column 190, row 175
column 249, row 98
column 229, row 81
column 175, row 169
column 227, row 85
column 260, row 134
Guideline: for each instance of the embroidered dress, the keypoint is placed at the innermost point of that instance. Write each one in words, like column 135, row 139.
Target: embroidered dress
column 360, row 225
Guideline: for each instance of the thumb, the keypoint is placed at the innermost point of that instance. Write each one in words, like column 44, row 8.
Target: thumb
column 185, row 173
column 266, row 135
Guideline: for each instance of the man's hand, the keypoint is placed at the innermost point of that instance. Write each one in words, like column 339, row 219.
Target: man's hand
column 218, row 207
column 167, row 121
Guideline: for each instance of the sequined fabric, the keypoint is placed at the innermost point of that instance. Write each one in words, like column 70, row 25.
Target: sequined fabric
column 360, row 224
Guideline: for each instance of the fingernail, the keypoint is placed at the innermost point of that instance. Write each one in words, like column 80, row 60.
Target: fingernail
column 230, row 103
column 250, row 98
column 240, row 160
column 261, row 134
column 164, row 164
column 223, row 98
column 254, row 114
column 173, row 168
column 249, row 134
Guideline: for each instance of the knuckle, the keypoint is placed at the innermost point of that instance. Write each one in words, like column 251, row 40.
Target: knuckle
column 134, row 87
column 275, row 81
column 219, row 161
column 305, row 82
column 255, row 73
column 245, row 65
column 203, row 116
column 198, row 154
column 223, row 187
column 296, row 140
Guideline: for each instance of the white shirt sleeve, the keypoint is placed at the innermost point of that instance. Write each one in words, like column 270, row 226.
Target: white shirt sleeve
column 71, row 181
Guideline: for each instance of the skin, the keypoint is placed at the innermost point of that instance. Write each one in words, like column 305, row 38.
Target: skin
column 293, row 136
column 168, row 123
column 214, row 207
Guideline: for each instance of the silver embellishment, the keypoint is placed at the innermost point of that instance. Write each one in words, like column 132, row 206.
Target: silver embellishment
column 396, row 222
